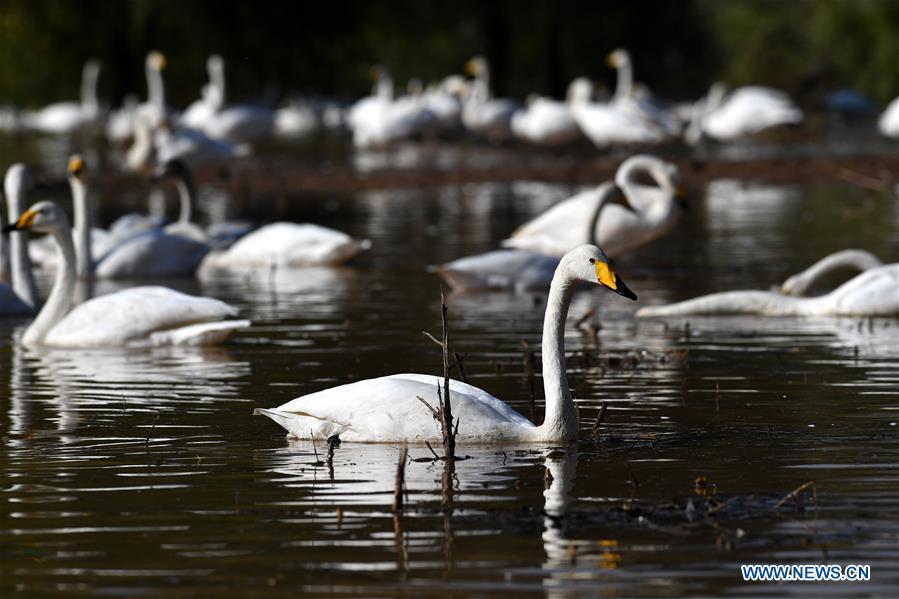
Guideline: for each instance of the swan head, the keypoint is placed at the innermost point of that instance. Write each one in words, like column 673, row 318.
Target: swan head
column 76, row 166
column 156, row 60
column 43, row 217
column 476, row 66
column 590, row 264
column 618, row 58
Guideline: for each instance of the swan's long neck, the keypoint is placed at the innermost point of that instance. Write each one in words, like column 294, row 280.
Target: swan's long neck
column 560, row 423
column 625, row 84
column 60, row 299
column 89, row 76
column 859, row 260
column 384, row 86
column 655, row 168
column 83, row 225
column 155, row 88
column 216, row 70
column 186, row 197
column 606, row 193
column 23, row 283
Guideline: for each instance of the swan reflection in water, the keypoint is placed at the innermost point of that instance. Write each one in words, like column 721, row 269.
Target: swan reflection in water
column 59, row 386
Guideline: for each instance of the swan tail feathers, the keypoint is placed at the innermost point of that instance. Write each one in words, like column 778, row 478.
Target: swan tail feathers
column 205, row 333
column 301, row 425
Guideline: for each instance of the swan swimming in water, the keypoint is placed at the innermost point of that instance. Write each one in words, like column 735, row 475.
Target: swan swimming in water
column 139, row 316
column 652, row 212
column 62, row 118
column 388, row 409
column 744, row 111
column 481, row 112
column 523, row 270
column 875, row 292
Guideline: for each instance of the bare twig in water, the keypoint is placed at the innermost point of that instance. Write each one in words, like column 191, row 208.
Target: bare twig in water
column 795, row 492
column 458, row 362
column 333, row 443
column 400, row 479
column 444, row 403
column 436, row 457
column 596, row 423
column 586, row 325
column 431, row 408
column 716, row 397
column 152, row 428
column 317, row 461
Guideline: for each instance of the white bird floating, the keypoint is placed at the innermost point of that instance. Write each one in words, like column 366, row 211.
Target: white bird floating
column 389, row 409
column 11, row 304
column 139, row 316
column 545, row 121
column 744, row 111
column 65, row 118
column 122, row 123
column 520, row 269
column 652, row 212
column 875, row 292
column 888, row 123
column 482, row 113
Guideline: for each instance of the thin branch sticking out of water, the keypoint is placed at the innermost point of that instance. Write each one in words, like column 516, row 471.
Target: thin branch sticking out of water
column 795, row 493
column 399, row 481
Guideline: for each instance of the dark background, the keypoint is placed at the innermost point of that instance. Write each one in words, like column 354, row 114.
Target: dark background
column 273, row 49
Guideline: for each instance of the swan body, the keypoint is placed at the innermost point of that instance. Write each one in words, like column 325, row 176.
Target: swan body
column 212, row 96
column 888, row 123
column 295, row 120
column 63, row 118
column 16, row 184
column 482, row 113
column 151, row 254
column 379, row 120
column 388, row 409
column 743, row 111
column 139, row 316
column 607, row 123
column 874, row 292
column 283, row 245
column 545, row 122
column 194, row 147
column 241, row 124
column 11, row 305
column 651, row 212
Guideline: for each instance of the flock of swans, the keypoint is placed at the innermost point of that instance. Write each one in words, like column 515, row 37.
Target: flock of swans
column 212, row 131
column 558, row 251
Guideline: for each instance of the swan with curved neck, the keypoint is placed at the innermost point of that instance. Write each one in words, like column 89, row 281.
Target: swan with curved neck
column 388, row 409
column 83, row 218
column 138, row 316
column 653, row 212
column 871, row 293
column 481, row 112
column 16, row 185
column 524, row 269
column 859, row 260
column 69, row 117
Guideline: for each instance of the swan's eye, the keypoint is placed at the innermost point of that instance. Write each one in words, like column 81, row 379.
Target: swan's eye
column 592, row 261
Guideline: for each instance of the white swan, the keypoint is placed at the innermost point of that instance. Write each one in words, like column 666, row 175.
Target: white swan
column 139, row 316
column 653, row 211
column 888, row 123
column 200, row 112
column 11, row 305
column 801, row 282
column 283, row 245
column 15, row 186
column 388, row 409
column 875, row 292
column 545, row 121
column 379, row 120
column 482, row 113
column 63, row 118
column 523, row 270
column 743, row 111
column 606, row 124
column 194, row 147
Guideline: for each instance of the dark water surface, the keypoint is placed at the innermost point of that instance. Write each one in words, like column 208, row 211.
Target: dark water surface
column 143, row 472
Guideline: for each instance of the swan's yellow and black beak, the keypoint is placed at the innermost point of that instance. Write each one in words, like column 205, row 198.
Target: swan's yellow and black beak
column 76, row 166
column 606, row 277
column 612, row 60
column 25, row 222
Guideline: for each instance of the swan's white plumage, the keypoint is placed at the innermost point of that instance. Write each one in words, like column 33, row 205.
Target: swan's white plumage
column 151, row 254
column 500, row 269
column 147, row 315
column 545, row 121
column 888, row 123
column 284, row 245
column 356, row 412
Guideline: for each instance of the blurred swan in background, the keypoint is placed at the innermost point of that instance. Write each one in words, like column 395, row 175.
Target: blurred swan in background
column 522, row 269
column 379, row 120
column 859, row 260
column 64, row 118
column 212, row 96
column 139, row 316
column 888, row 123
column 652, row 212
column 389, row 409
column 743, row 111
column 482, row 113
column 545, row 121
column 16, row 184
column 875, row 292
column 11, row 305
column 605, row 124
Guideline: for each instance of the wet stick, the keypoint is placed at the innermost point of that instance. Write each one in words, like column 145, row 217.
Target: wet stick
column 599, row 417
column 444, row 403
column 399, row 481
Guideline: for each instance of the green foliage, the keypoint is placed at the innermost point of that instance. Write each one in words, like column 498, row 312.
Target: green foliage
column 273, row 48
